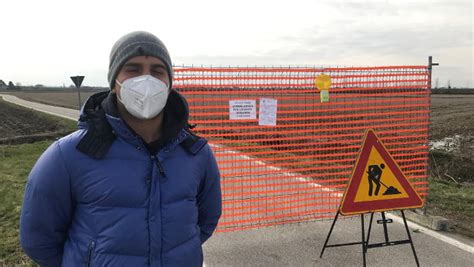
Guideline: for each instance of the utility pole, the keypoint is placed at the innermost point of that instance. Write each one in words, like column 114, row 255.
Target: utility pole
column 430, row 70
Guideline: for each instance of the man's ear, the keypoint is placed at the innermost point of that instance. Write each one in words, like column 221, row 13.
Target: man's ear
column 114, row 89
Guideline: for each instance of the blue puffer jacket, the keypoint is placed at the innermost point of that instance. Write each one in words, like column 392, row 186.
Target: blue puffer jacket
column 125, row 208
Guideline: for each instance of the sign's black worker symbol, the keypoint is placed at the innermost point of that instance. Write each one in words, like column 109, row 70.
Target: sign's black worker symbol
column 375, row 174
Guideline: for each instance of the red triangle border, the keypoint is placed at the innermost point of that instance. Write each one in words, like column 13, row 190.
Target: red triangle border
column 349, row 207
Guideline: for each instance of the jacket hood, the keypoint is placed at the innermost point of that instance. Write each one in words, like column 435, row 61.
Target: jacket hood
column 100, row 114
column 176, row 110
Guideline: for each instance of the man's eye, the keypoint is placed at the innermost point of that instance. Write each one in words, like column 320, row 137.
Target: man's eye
column 131, row 70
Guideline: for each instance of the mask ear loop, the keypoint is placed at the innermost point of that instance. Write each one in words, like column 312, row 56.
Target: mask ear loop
column 119, row 95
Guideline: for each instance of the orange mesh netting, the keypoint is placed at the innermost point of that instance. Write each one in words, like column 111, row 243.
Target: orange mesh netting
column 298, row 169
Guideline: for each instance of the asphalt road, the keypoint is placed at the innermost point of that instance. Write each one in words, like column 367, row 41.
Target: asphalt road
column 58, row 111
column 300, row 244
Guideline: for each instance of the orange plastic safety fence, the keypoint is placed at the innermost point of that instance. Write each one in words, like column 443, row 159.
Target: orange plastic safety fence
column 295, row 167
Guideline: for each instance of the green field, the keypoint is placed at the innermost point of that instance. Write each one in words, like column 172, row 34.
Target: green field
column 16, row 162
column 454, row 201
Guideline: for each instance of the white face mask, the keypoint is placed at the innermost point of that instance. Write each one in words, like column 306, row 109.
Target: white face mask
column 143, row 96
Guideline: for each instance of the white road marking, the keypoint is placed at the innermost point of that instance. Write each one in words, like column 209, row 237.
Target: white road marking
column 434, row 234
column 283, row 171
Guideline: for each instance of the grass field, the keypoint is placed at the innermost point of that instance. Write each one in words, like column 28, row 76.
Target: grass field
column 451, row 163
column 16, row 162
column 454, row 201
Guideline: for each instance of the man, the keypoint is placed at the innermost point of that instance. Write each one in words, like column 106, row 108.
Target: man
column 375, row 174
column 133, row 186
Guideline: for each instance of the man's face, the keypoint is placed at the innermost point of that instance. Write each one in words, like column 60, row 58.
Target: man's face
column 142, row 65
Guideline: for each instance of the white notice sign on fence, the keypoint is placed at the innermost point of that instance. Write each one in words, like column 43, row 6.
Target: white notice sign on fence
column 268, row 112
column 242, row 110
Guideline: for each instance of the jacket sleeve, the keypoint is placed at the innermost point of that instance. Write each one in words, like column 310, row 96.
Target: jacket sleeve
column 47, row 209
column 209, row 199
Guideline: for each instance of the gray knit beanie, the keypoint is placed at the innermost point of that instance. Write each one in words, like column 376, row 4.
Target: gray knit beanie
column 134, row 44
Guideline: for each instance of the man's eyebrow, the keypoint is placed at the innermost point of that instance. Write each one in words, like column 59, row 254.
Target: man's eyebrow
column 161, row 66
column 131, row 64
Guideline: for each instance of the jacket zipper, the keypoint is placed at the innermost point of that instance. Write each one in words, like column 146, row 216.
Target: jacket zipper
column 162, row 174
column 89, row 253
column 158, row 164
column 160, row 168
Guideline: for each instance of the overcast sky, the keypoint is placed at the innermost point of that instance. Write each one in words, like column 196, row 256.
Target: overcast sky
column 45, row 42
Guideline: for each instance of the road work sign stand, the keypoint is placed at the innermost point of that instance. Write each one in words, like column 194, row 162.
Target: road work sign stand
column 376, row 167
column 365, row 242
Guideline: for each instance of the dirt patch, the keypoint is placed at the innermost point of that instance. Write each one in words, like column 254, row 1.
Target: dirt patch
column 452, row 160
column 20, row 125
column 65, row 99
column 452, row 138
column 451, row 115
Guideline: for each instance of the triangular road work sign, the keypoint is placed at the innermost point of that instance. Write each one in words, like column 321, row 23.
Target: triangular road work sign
column 77, row 80
column 377, row 182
